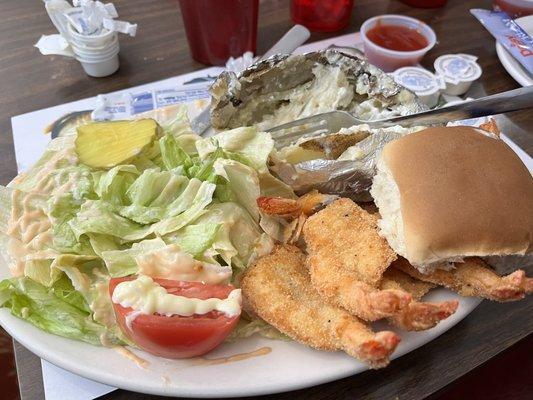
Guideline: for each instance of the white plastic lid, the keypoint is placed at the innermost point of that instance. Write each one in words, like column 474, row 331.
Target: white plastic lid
column 457, row 68
column 419, row 80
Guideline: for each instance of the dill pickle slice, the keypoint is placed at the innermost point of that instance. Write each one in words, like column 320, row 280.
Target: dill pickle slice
column 106, row 144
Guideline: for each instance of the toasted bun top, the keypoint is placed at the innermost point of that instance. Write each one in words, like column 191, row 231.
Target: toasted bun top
column 461, row 193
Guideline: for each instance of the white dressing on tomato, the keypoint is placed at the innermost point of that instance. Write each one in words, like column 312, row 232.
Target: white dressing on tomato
column 147, row 297
column 172, row 263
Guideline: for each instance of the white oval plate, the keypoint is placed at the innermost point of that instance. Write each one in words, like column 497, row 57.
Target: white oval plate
column 289, row 366
column 512, row 66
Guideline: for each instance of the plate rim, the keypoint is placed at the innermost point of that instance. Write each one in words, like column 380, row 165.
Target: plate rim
column 119, row 381
column 504, row 57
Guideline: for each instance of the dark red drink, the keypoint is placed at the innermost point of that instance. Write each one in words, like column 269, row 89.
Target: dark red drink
column 219, row 29
column 425, row 3
column 322, row 15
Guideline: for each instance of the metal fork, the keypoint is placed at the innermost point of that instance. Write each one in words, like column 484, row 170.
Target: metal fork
column 333, row 121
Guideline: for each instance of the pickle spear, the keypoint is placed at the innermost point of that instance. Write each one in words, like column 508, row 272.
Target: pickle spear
column 106, row 144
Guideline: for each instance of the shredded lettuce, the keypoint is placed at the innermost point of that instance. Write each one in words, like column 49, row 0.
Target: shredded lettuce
column 74, row 227
column 59, row 310
column 122, row 262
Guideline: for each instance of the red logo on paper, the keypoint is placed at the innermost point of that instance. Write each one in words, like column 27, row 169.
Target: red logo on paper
column 517, row 42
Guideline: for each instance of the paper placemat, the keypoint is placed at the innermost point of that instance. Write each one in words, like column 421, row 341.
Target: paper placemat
column 30, row 142
column 61, row 384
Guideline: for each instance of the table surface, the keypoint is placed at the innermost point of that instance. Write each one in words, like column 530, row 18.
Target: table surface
column 31, row 81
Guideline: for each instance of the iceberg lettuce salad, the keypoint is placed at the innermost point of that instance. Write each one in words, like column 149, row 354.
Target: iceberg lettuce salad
column 67, row 228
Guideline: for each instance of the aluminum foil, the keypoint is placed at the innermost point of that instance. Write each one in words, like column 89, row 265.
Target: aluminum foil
column 256, row 93
column 346, row 178
column 245, row 99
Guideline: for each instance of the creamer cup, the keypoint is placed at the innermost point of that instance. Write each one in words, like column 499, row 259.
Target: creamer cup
column 424, row 84
column 88, row 50
column 100, row 68
column 458, row 72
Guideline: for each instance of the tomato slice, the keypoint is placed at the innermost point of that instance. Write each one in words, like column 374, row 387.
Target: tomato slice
column 178, row 336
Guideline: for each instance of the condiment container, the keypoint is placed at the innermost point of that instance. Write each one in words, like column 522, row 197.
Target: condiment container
column 98, row 54
column 424, row 84
column 458, row 72
column 389, row 60
column 99, row 67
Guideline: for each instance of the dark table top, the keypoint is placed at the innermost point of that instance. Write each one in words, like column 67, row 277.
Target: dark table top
column 30, row 81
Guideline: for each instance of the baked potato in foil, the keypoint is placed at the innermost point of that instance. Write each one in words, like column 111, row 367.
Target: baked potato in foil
column 284, row 88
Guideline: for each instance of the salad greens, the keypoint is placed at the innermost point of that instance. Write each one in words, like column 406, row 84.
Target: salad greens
column 67, row 228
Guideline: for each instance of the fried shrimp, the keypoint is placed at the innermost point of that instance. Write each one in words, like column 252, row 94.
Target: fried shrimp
column 344, row 236
column 294, row 212
column 279, row 207
column 342, row 288
column 278, row 289
column 307, row 205
column 417, row 315
column 345, row 250
column 315, row 201
column 347, row 259
column 474, row 277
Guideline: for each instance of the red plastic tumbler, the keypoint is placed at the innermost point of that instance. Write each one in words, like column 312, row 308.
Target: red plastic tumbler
column 219, row 29
column 322, row 15
column 425, row 3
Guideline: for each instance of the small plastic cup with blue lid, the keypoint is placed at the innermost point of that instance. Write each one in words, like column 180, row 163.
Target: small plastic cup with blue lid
column 458, row 72
column 424, row 84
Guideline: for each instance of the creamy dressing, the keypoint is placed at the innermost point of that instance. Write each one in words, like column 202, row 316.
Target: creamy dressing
column 44, row 179
column 105, row 341
column 69, row 185
column 141, row 362
column 144, row 295
column 130, row 318
column 263, row 351
column 172, row 263
column 101, row 306
column 28, row 230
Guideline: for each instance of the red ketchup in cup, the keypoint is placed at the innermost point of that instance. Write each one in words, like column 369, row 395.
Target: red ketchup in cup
column 395, row 41
column 397, row 37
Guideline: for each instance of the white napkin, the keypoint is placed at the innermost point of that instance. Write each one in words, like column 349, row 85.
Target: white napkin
column 63, row 385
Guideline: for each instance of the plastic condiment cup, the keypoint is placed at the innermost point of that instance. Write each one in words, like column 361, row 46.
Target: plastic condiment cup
column 95, row 49
column 83, row 52
column 100, row 68
column 458, row 72
column 390, row 60
column 94, row 58
column 424, row 84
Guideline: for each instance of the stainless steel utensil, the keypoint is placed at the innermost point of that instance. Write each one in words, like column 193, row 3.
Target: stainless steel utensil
column 294, row 38
column 333, row 121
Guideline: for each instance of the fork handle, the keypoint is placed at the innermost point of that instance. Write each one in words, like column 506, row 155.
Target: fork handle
column 511, row 100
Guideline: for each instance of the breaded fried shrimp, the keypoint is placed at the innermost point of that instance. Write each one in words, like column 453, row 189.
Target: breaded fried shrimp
column 345, row 236
column 474, row 277
column 278, row 289
column 342, row 288
column 416, row 315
